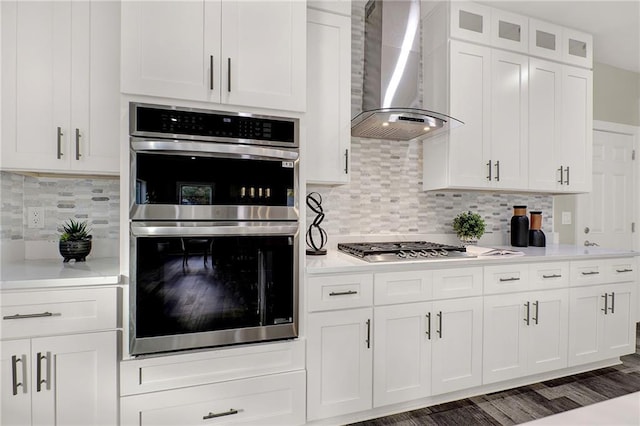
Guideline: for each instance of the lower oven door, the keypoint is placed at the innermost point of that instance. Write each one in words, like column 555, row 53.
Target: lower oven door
column 196, row 284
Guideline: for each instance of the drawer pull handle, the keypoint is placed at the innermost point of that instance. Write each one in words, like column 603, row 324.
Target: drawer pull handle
column 591, row 273
column 14, row 374
column 509, row 279
column 552, row 276
column 20, row 316
column 224, row 413
column 342, row 293
column 624, row 270
column 368, row 334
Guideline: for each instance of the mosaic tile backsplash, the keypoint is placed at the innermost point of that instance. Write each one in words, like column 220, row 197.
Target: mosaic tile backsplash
column 96, row 201
column 385, row 193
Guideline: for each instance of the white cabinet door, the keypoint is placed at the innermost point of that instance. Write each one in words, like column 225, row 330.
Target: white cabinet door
column 470, row 21
column 339, row 362
column 175, row 63
column 577, row 129
column 470, row 86
column 15, row 382
column 548, row 330
column 78, row 375
column 509, row 31
column 577, row 48
column 328, row 97
column 402, row 361
column 505, row 343
column 619, row 331
column 264, row 54
column 61, row 105
column 545, row 130
column 509, row 119
column 545, row 40
column 456, row 356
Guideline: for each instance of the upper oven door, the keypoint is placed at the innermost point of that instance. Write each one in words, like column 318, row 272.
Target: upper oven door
column 196, row 180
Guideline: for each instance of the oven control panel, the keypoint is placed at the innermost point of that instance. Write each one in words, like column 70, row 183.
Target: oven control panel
column 174, row 122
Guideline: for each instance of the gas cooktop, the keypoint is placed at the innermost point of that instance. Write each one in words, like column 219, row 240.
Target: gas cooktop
column 402, row 251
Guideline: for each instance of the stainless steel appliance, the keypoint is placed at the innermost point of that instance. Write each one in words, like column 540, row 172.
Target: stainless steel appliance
column 214, row 228
column 397, row 251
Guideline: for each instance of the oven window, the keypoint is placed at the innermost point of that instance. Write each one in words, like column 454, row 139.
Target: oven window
column 200, row 284
column 200, row 180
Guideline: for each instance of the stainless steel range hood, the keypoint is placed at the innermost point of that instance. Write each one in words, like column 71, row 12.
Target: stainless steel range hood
column 391, row 86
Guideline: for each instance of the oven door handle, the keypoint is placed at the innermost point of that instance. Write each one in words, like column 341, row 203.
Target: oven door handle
column 205, row 229
column 231, row 150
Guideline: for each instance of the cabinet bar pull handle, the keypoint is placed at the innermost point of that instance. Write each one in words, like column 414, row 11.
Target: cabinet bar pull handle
column 439, row 330
column 527, row 305
column 59, row 139
column 591, row 273
column 536, row 304
column 509, row 279
column 342, row 293
column 561, row 169
column 368, row 333
column 606, row 297
column 346, row 161
column 224, row 413
column 14, row 374
column 552, row 276
column 623, row 270
column 211, row 72
column 39, row 379
column 489, row 177
column 228, row 74
column 613, row 302
column 20, row 316
column 428, row 332
column 567, row 181
column 497, row 178
column 78, row 155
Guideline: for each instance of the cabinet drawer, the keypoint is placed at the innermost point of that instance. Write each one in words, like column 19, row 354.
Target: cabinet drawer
column 587, row 272
column 462, row 282
column 340, row 292
column 620, row 270
column 402, row 287
column 548, row 275
column 175, row 371
column 41, row 313
column 506, row 278
column 266, row 400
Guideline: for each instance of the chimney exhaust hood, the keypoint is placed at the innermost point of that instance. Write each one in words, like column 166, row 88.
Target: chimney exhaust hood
column 390, row 98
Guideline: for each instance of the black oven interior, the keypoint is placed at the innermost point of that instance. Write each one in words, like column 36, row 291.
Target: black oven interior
column 206, row 180
column 203, row 284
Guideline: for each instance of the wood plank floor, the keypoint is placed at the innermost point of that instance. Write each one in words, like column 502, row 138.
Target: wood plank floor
column 528, row 403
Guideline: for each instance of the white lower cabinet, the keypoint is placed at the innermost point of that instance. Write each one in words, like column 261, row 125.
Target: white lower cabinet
column 524, row 334
column 339, row 362
column 427, row 348
column 60, row 380
column 602, row 322
column 265, row 400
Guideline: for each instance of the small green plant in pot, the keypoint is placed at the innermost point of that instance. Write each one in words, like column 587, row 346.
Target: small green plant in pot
column 469, row 227
column 75, row 240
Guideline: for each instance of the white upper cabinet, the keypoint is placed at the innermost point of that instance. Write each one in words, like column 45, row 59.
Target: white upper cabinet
column 60, row 96
column 328, row 114
column 248, row 53
column 470, row 21
column 577, row 48
column 509, row 31
column 545, row 40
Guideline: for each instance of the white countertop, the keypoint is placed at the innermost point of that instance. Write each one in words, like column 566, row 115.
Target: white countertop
column 337, row 262
column 54, row 273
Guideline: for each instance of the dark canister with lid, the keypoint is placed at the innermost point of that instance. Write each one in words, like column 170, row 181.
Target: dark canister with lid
column 520, row 227
column 536, row 236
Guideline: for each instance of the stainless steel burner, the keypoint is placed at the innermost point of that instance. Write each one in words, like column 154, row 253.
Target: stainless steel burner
column 402, row 250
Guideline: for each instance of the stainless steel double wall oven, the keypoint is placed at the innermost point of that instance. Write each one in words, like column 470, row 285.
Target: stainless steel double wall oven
column 214, row 228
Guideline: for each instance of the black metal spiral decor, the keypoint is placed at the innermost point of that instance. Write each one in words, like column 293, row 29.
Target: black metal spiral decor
column 314, row 201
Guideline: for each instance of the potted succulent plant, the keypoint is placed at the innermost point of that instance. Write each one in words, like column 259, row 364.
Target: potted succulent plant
column 469, row 227
column 75, row 240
